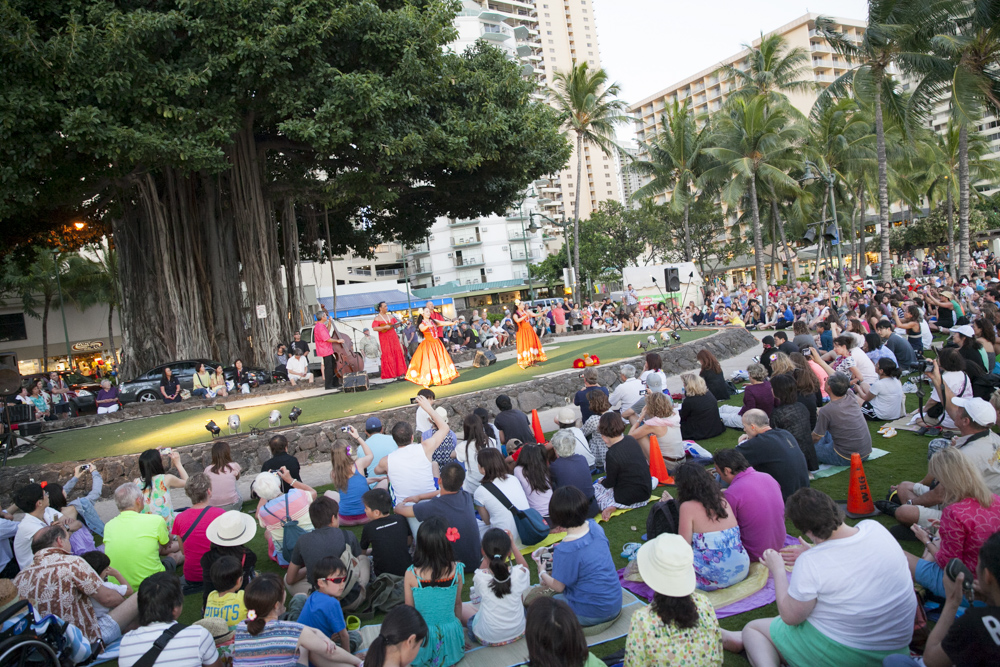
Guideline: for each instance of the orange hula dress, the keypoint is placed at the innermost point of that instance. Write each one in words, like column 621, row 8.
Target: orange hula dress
column 431, row 364
column 529, row 348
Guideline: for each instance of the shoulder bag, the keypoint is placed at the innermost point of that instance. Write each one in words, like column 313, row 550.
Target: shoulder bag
column 292, row 532
column 149, row 657
column 531, row 526
column 190, row 530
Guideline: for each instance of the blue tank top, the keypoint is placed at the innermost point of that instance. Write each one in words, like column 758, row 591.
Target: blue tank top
column 350, row 500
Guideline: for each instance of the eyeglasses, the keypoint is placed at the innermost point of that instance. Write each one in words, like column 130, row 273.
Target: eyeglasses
column 336, row 580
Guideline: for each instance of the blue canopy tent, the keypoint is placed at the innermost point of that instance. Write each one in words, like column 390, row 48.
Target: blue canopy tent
column 359, row 305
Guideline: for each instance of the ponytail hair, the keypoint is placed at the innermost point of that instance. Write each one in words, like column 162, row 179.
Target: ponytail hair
column 262, row 594
column 401, row 623
column 496, row 546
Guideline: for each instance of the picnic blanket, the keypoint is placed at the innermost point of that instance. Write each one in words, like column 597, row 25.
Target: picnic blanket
column 756, row 591
column 110, row 653
column 517, row 653
column 558, row 537
column 619, row 512
column 826, row 470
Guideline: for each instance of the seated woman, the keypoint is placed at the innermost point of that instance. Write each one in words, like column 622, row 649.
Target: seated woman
column 532, row 471
column 659, row 419
column 884, row 400
column 875, row 349
column 654, row 364
column 627, row 483
column 571, row 469
column 274, row 506
column 201, row 382
column 793, row 417
column 170, row 387
column 348, row 476
column 218, row 382
column 711, row 373
column 699, row 412
column 710, row 527
column 554, row 636
column 757, row 394
column 849, row 602
column 679, row 622
column 42, row 403
column 583, row 572
column 598, row 403
column 108, row 398
column 807, row 383
column 498, row 491
column 953, row 374
column 971, row 514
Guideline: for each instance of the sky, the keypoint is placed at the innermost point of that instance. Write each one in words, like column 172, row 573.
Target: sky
column 646, row 45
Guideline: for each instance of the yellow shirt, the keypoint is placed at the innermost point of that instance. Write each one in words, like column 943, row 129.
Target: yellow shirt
column 228, row 607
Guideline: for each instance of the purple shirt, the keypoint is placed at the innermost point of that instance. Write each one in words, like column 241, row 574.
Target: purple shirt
column 758, row 396
column 756, row 499
column 107, row 397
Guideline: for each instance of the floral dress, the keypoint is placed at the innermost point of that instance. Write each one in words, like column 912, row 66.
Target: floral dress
column 156, row 500
column 445, row 643
column 598, row 447
column 719, row 559
column 650, row 642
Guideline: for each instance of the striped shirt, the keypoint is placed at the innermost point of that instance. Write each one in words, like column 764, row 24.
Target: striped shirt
column 191, row 647
column 276, row 646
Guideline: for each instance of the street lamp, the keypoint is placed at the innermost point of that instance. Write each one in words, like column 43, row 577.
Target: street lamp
column 532, row 228
column 808, row 178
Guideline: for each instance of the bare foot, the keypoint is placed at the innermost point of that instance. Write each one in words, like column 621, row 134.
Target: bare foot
column 732, row 641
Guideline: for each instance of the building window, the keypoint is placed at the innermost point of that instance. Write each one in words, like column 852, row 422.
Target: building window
column 548, row 32
column 585, row 18
column 552, row 50
column 609, row 192
column 591, row 62
column 552, row 41
column 548, row 23
column 590, row 53
column 589, row 44
column 546, row 15
column 12, row 327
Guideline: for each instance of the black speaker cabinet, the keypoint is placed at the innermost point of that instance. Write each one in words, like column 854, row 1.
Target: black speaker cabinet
column 484, row 358
column 672, row 279
column 356, row 382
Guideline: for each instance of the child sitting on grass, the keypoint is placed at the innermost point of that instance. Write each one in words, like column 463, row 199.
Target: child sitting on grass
column 226, row 601
column 102, row 566
column 496, row 615
column 322, row 610
column 386, row 536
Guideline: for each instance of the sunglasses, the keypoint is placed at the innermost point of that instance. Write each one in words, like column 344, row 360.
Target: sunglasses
column 336, row 580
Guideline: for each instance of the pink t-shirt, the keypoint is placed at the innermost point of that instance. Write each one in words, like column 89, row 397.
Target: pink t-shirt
column 196, row 544
column 559, row 316
column 964, row 527
column 224, row 485
column 321, row 334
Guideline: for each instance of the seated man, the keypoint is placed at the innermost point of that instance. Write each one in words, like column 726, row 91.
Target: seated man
column 918, row 502
column 33, row 500
column 756, row 500
column 841, row 429
column 280, row 458
column 512, row 423
column 138, row 543
column 326, row 539
column 298, row 368
column 59, row 583
column 850, row 600
column 773, row 451
column 629, row 391
column 161, row 602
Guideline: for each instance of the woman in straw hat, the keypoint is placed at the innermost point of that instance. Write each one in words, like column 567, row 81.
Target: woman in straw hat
column 679, row 624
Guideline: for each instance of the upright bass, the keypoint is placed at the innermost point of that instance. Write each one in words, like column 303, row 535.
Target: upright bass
column 348, row 360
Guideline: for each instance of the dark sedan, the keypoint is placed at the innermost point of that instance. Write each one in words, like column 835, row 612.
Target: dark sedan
column 146, row 387
column 84, row 388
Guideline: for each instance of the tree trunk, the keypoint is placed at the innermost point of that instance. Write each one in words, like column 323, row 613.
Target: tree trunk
column 951, row 235
column 576, row 220
column 329, row 256
column 111, row 334
column 774, row 247
column 854, row 240
column 883, row 185
column 45, row 334
column 819, row 233
column 688, row 249
column 758, row 242
column 290, row 241
column 963, row 201
column 792, row 277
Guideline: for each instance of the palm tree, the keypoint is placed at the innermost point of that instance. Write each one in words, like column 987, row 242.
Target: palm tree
column 676, row 159
column 754, row 142
column 95, row 281
column 589, row 109
column 36, row 286
column 896, row 36
column 963, row 67
column 773, row 71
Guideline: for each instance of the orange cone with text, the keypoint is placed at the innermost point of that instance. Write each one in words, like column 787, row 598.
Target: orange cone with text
column 859, row 497
column 657, row 466
column 536, row 428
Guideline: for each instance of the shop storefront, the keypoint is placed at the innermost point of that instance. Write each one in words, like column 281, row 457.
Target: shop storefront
column 89, row 341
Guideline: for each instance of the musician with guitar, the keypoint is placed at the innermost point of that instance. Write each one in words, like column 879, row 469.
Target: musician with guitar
column 337, row 351
column 393, row 359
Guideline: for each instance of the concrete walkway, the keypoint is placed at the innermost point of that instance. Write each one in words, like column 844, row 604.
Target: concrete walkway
column 318, row 474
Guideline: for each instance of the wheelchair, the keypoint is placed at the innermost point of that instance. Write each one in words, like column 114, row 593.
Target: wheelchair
column 24, row 643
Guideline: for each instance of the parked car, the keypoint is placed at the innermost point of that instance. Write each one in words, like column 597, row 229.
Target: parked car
column 146, row 387
column 85, row 389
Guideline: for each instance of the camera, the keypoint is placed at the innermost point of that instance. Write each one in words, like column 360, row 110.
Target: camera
column 85, row 466
column 345, row 429
column 166, row 451
column 927, row 365
column 956, row 567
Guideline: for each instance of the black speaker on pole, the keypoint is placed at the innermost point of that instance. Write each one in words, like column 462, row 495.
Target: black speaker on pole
column 484, row 358
column 672, row 279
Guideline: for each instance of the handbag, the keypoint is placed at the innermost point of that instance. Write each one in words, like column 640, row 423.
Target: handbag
column 532, row 527
column 292, row 532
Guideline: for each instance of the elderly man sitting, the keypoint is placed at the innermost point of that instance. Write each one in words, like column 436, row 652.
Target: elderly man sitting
column 629, row 391
column 298, row 368
column 138, row 543
column 841, row 429
column 63, row 585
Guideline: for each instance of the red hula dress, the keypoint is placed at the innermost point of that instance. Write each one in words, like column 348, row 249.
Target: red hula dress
column 529, row 348
column 431, row 364
column 393, row 359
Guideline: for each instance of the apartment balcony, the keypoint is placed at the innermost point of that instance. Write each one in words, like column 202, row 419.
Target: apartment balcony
column 821, row 48
column 419, row 269
column 518, row 235
column 517, row 215
column 464, row 241
column 494, row 15
column 462, row 223
column 418, row 249
column 469, row 261
column 825, row 78
column 379, row 273
column 520, row 256
column 524, row 50
column 522, row 32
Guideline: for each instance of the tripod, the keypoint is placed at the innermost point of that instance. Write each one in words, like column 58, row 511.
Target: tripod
column 675, row 317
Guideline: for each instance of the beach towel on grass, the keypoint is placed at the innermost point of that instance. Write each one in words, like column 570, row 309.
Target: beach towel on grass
column 826, row 470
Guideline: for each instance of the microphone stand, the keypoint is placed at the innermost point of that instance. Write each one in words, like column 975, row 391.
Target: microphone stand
column 684, row 301
column 674, row 318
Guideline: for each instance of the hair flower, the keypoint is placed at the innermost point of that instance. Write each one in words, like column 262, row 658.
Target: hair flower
column 251, row 615
column 452, row 534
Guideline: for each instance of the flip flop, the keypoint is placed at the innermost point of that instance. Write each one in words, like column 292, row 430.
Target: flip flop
column 890, row 433
column 629, row 549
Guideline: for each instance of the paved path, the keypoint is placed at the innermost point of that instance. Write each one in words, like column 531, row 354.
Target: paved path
column 318, row 474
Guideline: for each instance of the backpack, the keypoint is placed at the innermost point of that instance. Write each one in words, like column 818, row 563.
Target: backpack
column 292, row 532
column 354, row 594
column 663, row 517
column 384, row 593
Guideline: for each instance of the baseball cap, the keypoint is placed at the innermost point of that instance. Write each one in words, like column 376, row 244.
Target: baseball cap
column 654, row 382
column 373, row 424
column 979, row 410
column 964, row 329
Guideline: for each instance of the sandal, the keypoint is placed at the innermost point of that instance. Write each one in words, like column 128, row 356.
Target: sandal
column 629, row 549
column 889, row 433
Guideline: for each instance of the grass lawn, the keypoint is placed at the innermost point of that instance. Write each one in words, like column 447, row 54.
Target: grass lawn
column 907, row 461
column 188, row 427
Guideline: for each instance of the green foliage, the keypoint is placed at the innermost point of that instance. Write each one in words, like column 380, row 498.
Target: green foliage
column 932, row 231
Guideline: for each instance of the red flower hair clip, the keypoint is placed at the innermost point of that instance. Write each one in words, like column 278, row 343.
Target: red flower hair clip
column 452, row 534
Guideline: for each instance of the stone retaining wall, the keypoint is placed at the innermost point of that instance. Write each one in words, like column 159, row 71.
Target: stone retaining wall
column 311, row 443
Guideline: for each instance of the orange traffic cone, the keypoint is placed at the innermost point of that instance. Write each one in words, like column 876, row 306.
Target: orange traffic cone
column 536, row 428
column 657, row 466
column 859, row 497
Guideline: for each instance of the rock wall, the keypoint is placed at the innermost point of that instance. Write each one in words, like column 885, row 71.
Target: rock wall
column 311, row 443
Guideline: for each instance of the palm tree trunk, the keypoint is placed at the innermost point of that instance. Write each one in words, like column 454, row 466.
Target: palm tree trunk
column 883, row 184
column 774, row 248
column 576, row 219
column 819, row 234
column 688, row 249
column 951, row 235
column 963, row 201
column 784, row 243
column 758, row 242
column 854, row 239
column 45, row 334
